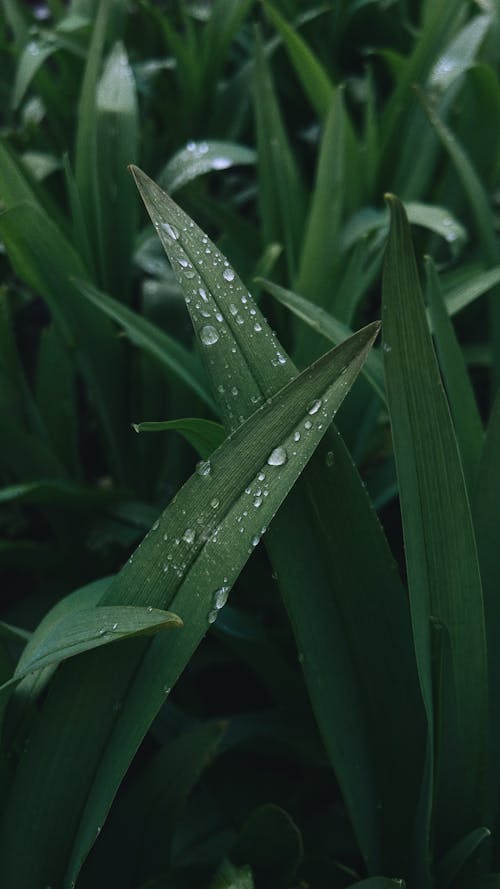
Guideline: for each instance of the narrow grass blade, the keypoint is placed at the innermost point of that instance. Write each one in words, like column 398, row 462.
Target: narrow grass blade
column 481, row 211
column 453, row 862
column 56, row 398
column 281, row 195
column 199, row 158
column 172, row 356
column 311, row 73
column 486, row 513
column 117, row 136
column 356, row 602
column 43, row 258
column 441, row 556
column 16, row 634
column 188, row 563
column 328, row 326
column 465, row 294
column 321, row 243
column 139, row 833
column 461, row 398
column 402, row 110
column 378, row 883
column 204, row 435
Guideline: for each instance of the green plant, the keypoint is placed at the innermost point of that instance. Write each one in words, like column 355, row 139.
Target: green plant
column 339, row 724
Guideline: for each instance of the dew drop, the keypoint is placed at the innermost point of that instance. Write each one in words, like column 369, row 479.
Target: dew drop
column 255, row 540
column 170, row 230
column 315, row 406
column 156, row 525
column 261, row 476
column 204, row 468
column 277, row 457
column 209, row 335
column 189, row 535
column 257, row 501
column 212, row 615
column 257, row 327
column 214, row 503
column 114, row 627
column 330, row 459
column 228, row 275
column 203, row 294
column 296, row 435
column 183, row 263
column 220, row 597
column 221, row 163
column 387, row 348
column 307, row 424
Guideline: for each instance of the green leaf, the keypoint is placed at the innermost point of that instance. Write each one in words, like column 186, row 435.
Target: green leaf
column 450, row 866
column 169, row 353
column 204, row 435
column 281, row 196
column 84, row 630
column 199, row 158
column 56, row 492
column 320, row 248
column 56, row 397
column 313, row 77
column 73, row 766
column 139, row 833
column 486, row 513
column 230, row 877
column 461, row 399
column 443, row 573
column 17, row 634
column 464, row 294
column 459, row 55
column 271, row 843
column 328, row 326
column 34, row 54
column 44, row 259
column 346, row 574
column 378, row 883
column 117, row 138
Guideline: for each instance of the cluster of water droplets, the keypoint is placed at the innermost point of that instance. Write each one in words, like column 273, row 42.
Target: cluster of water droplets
column 219, row 599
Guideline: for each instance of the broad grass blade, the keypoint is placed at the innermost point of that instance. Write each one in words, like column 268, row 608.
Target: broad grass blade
column 355, row 602
column 442, row 565
column 188, row 562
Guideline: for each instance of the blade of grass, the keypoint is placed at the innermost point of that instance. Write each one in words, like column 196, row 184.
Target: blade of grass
column 41, row 256
column 311, row 73
column 461, row 398
column 450, row 866
column 481, row 212
column 169, row 353
column 348, row 621
column 281, row 195
column 199, row 158
column 441, row 556
column 203, row 435
column 76, row 759
column 320, row 248
column 328, row 326
column 486, row 513
column 117, row 140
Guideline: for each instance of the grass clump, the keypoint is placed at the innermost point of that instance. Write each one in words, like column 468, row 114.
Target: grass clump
column 323, row 711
